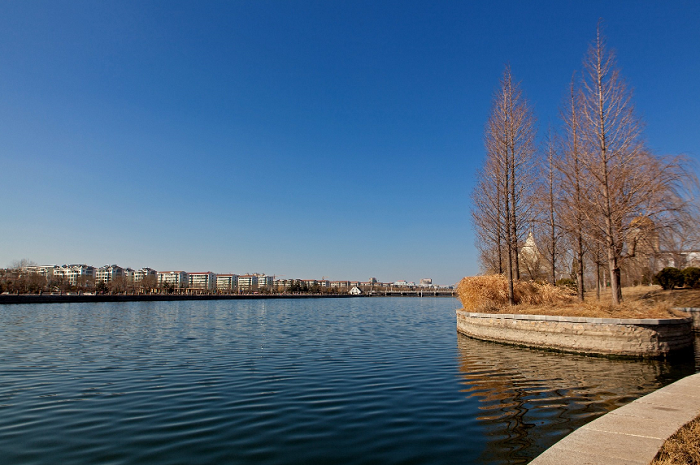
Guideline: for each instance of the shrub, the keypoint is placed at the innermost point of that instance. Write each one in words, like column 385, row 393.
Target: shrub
column 692, row 276
column 669, row 277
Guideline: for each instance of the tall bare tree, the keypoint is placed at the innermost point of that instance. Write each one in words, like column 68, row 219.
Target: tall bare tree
column 573, row 185
column 506, row 180
column 552, row 209
column 627, row 181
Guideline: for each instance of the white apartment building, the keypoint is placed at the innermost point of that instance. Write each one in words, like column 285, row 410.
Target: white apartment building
column 43, row 270
column 74, row 273
column 140, row 275
column 282, row 284
column 203, row 280
column 247, row 282
column 177, row 279
column 226, row 282
column 128, row 273
column 108, row 273
column 265, row 281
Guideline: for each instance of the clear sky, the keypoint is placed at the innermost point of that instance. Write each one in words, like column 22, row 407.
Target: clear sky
column 297, row 138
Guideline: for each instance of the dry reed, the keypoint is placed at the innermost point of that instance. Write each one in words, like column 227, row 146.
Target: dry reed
column 490, row 293
column 683, row 448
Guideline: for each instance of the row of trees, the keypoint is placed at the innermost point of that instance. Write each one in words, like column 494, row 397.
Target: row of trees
column 592, row 194
column 15, row 280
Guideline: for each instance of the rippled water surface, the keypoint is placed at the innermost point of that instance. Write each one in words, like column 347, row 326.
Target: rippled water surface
column 383, row 380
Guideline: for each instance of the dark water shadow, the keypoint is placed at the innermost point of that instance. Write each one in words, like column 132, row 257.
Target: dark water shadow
column 531, row 398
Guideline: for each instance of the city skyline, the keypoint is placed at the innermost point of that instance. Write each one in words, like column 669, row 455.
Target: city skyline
column 308, row 138
column 43, row 269
column 114, row 278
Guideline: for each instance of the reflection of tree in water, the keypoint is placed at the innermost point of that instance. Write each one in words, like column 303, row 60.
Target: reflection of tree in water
column 532, row 398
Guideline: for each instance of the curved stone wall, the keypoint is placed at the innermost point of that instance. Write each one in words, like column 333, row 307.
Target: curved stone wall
column 694, row 313
column 649, row 338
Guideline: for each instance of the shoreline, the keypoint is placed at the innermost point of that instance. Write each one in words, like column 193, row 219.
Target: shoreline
column 87, row 298
column 10, row 299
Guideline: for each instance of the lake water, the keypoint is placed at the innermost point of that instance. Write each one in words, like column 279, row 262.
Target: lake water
column 327, row 381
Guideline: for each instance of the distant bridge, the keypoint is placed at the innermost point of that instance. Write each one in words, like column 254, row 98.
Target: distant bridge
column 412, row 292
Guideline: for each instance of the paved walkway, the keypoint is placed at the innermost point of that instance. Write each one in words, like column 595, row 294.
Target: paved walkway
column 631, row 434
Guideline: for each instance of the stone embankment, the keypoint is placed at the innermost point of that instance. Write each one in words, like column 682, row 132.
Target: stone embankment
column 647, row 338
column 694, row 313
column 632, row 434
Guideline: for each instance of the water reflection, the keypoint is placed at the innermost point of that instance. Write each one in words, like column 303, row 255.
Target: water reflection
column 529, row 398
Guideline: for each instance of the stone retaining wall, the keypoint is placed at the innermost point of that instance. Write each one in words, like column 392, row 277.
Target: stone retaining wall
column 648, row 338
column 694, row 313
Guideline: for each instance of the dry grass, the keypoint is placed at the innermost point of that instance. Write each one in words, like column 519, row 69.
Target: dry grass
column 683, row 448
column 490, row 294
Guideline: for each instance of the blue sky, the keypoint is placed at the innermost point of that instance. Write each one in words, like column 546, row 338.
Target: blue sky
column 297, row 138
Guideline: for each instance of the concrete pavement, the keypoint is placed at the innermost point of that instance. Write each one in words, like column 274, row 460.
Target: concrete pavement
column 631, row 434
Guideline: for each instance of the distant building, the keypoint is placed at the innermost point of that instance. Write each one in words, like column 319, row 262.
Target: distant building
column 355, row 291
column 143, row 273
column 42, row 270
column 226, row 282
column 247, row 282
column 176, row 279
column 265, row 281
column 201, row 280
column 74, row 273
column 128, row 274
column 531, row 261
column 108, row 273
column 426, row 282
column 282, row 284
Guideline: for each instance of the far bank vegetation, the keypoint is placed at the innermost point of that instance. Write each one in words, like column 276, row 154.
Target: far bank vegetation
column 590, row 207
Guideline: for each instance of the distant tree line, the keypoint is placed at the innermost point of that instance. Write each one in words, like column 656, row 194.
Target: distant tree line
column 593, row 196
column 17, row 280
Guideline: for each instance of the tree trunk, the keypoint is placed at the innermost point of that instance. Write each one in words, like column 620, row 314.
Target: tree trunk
column 509, row 242
column 579, row 272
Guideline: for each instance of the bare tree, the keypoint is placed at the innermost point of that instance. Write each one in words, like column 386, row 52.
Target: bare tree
column 550, row 208
column 627, row 180
column 488, row 218
column 572, row 184
column 22, row 264
column 506, row 179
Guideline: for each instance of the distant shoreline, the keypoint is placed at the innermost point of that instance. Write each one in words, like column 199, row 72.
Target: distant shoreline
column 79, row 298
column 86, row 298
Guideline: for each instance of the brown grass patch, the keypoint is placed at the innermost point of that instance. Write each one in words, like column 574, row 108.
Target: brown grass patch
column 490, row 294
column 683, row 448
